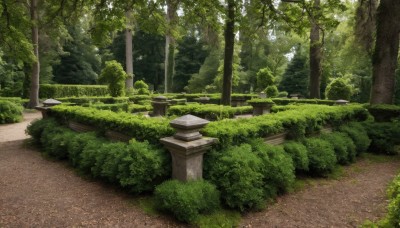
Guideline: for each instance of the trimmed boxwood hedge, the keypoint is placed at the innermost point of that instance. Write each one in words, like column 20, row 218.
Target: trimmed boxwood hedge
column 286, row 101
column 208, row 111
column 300, row 121
column 358, row 134
column 321, row 156
column 136, row 166
column 10, row 112
column 59, row 91
column 384, row 137
column 139, row 127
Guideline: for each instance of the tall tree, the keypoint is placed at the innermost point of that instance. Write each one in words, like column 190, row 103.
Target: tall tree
column 228, row 56
column 386, row 51
column 315, row 54
column 128, row 49
column 34, row 88
column 170, row 43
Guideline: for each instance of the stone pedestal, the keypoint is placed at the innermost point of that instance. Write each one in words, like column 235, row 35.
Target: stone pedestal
column 187, row 147
column 261, row 108
column 203, row 100
column 238, row 101
column 47, row 104
column 160, row 105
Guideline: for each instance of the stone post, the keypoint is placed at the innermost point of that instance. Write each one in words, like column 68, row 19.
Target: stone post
column 160, row 105
column 262, row 95
column 47, row 104
column 187, row 147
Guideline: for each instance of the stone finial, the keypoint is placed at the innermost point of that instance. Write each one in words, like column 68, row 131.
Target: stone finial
column 51, row 102
column 341, row 102
column 188, row 127
column 262, row 95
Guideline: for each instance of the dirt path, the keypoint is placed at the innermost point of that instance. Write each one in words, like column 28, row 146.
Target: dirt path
column 346, row 202
column 35, row 192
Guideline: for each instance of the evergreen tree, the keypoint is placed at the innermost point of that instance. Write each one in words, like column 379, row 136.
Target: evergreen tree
column 81, row 63
column 295, row 78
column 189, row 59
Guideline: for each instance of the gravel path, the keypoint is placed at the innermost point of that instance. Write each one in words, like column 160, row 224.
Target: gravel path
column 37, row 192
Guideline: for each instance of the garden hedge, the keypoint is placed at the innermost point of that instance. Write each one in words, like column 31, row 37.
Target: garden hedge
column 208, row 111
column 136, row 126
column 384, row 112
column 286, row 101
column 59, row 91
column 299, row 121
column 384, row 137
column 136, row 166
column 10, row 112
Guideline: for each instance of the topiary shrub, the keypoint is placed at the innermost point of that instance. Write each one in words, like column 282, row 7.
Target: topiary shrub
column 338, row 141
column 272, row 91
column 236, row 173
column 298, row 152
column 186, row 201
column 277, row 168
column 10, row 112
column 57, row 142
column 338, row 89
column 384, row 137
column 265, row 78
column 321, row 156
column 141, row 87
column 358, row 134
column 393, row 216
column 114, row 75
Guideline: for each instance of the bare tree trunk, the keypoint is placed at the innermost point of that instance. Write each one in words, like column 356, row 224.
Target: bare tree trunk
column 384, row 60
column 315, row 56
column 228, row 58
column 34, row 88
column 172, row 6
column 128, row 50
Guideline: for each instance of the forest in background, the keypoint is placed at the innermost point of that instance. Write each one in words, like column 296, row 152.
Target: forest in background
column 203, row 46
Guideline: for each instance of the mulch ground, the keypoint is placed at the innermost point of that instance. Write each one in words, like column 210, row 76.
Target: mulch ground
column 38, row 192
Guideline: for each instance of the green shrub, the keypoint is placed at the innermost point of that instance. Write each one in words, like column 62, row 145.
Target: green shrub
column 298, row 152
column 286, row 101
column 60, row 91
column 384, row 136
column 10, row 112
column 186, row 201
column 236, row 173
column 57, row 144
column 338, row 141
column 358, row 134
column 338, row 89
column 393, row 216
column 118, row 107
column 114, row 75
column 384, row 112
column 321, row 156
column 277, row 168
column 90, row 100
column 36, row 128
column 77, row 144
column 265, row 78
column 272, row 91
column 141, row 87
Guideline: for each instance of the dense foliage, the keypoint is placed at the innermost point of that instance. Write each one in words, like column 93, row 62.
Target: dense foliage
column 338, row 89
column 384, row 137
column 10, row 112
column 210, row 111
column 186, row 201
column 321, row 156
column 114, row 75
column 59, row 91
column 136, row 166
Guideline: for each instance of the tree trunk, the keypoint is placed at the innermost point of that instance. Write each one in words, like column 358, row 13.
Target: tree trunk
column 172, row 6
column 228, row 58
column 128, row 50
column 34, row 88
column 384, row 60
column 315, row 56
